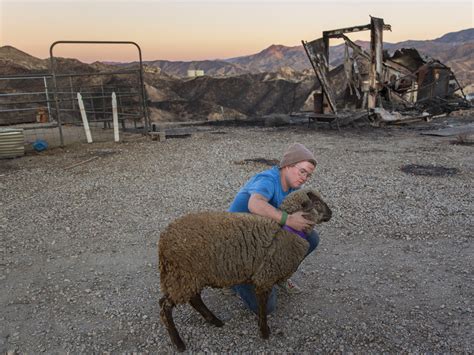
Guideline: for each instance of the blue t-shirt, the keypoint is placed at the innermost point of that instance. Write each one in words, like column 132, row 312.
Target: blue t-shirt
column 267, row 183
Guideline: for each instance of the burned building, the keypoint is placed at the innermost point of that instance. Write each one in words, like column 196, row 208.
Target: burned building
column 374, row 83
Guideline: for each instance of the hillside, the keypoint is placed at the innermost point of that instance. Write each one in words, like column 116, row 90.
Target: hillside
column 214, row 98
column 272, row 58
column 457, row 37
column 15, row 61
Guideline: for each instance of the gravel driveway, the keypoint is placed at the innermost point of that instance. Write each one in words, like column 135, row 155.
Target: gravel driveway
column 393, row 272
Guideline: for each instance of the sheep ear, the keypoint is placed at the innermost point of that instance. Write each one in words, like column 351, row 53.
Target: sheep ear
column 313, row 197
column 307, row 206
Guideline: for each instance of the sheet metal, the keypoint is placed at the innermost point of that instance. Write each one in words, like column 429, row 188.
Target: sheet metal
column 12, row 143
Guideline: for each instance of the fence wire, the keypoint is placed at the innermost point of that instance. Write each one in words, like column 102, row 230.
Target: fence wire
column 28, row 102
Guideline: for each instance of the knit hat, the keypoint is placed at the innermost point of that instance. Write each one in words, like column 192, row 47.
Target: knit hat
column 295, row 153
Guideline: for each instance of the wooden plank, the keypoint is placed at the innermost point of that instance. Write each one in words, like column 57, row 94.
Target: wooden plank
column 319, row 67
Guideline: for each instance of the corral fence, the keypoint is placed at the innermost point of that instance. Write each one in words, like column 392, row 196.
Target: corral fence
column 47, row 107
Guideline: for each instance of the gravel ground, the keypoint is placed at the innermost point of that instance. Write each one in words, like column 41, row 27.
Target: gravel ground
column 393, row 272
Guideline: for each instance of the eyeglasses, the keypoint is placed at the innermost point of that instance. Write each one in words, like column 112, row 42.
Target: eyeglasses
column 303, row 173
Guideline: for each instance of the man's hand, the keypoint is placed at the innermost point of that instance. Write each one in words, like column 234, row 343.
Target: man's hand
column 259, row 205
column 298, row 222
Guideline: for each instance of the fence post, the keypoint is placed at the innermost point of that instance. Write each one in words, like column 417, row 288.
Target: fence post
column 47, row 97
column 115, row 117
column 84, row 118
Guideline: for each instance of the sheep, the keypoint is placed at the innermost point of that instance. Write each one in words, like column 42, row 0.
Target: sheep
column 221, row 249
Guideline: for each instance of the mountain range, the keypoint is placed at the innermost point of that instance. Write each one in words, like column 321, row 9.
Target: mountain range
column 278, row 79
column 455, row 49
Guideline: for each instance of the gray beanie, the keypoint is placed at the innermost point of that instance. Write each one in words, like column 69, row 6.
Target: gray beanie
column 295, row 153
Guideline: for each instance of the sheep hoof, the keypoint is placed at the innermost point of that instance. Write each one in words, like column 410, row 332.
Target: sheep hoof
column 180, row 346
column 265, row 333
column 218, row 323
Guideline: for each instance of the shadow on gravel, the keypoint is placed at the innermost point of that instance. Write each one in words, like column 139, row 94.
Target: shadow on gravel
column 428, row 170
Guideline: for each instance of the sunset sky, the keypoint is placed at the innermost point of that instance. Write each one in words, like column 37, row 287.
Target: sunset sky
column 196, row 30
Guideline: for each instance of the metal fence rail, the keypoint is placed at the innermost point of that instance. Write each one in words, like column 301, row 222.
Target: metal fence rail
column 46, row 106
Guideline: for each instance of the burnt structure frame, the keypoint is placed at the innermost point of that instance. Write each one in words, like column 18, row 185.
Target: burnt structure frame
column 376, row 28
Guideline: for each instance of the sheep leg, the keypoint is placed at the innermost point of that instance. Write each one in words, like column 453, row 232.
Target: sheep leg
column 166, row 315
column 262, row 298
column 198, row 304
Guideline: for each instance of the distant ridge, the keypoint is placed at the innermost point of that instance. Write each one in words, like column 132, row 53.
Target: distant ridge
column 460, row 36
column 13, row 59
column 276, row 56
column 273, row 57
column 455, row 49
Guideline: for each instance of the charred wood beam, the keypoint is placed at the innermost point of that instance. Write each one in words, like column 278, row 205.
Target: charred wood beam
column 318, row 63
column 356, row 48
column 376, row 47
column 340, row 32
column 459, row 86
column 399, row 68
column 388, row 63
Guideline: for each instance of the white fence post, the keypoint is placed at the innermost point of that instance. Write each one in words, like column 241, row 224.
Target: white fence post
column 84, row 118
column 115, row 117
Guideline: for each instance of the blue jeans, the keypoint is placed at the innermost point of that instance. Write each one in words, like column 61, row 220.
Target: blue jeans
column 247, row 294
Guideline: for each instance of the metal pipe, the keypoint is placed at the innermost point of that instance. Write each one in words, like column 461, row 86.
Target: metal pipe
column 93, row 92
column 23, row 93
column 64, row 92
column 93, row 108
column 73, row 104
column 131, row 115
column 100, row 97
column 20, row 109
column 26, row 77
column 23, row 102
column 103, row 95
column 56, row 102
column 40, row 76
column 60, row 100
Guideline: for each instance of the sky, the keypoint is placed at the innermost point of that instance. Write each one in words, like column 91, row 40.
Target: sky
column 214, row 29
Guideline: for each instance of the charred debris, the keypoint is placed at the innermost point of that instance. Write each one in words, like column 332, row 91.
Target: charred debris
column 372, row 87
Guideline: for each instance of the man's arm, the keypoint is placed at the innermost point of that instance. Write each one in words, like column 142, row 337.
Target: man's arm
column 259, row 205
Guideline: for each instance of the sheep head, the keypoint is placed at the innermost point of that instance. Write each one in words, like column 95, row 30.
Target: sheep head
column 308, row 201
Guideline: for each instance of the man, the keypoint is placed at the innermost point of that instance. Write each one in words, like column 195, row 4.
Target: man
column 263, row 194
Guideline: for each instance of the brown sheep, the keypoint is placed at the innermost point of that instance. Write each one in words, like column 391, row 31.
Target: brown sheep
column 222, row 249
